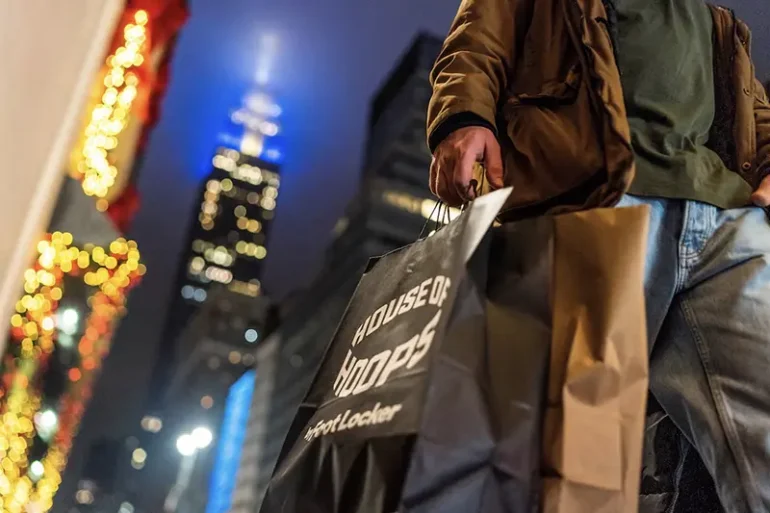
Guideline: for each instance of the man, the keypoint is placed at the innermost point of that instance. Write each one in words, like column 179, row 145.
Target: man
column 590, row 103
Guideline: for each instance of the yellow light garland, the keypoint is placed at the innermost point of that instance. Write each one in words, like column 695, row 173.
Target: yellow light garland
column 92, row 163
column 112, row 272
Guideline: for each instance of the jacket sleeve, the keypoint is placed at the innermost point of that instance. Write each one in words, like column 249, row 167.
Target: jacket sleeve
column 762, row 120
column 478, row 55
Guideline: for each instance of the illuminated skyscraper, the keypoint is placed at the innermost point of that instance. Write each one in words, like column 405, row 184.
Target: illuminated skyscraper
column 227, row 241
column 217, row 311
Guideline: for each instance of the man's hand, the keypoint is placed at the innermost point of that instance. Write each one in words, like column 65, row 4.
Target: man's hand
column 451, row 171
column 761, row 197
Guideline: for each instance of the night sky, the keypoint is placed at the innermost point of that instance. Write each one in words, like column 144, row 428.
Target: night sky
column 332, row 55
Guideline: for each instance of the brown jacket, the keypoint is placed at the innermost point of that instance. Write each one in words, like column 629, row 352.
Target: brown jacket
column 547, row 79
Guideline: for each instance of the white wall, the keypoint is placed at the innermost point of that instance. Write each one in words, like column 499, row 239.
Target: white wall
column 49, row 54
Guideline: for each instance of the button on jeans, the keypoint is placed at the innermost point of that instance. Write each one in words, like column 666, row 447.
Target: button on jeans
column 708, row 309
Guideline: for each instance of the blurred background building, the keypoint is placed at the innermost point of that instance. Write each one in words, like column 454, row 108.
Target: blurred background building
column 227, row 238
column 218, row 313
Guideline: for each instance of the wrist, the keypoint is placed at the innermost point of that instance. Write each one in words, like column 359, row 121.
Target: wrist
column 454, row 123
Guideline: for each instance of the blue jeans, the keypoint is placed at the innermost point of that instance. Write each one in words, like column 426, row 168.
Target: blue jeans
column 708, row 311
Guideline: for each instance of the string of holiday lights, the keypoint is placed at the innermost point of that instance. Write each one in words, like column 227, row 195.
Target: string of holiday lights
column 112, row 272
column 93, row 347
column 126, row 86
column 92, row 163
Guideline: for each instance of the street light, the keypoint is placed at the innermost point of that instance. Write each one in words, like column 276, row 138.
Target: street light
column 68, row 321
column 202, row 437
column 186, row 445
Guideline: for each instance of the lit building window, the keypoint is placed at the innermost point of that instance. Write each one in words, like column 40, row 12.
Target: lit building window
column 198, row 246
column 84, row 497
column 340, row 227
column 267, row 203
column 187, row 292
column 247, row 289
column 218, row 274
column 219, row 255
column 224, row 163
column 152, row 424
column 251, row 225
column 420, row 206
column 271, row 178
column 207, row 402
column 231, row 154
column 138, row 458
column 270, row 192
column 197, row 264
column 247, row 173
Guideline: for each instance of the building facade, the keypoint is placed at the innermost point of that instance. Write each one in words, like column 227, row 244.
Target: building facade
column 218, row 310
column 226, row 246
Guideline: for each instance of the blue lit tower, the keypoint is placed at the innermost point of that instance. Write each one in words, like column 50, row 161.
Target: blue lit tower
column 227, row 240
column 217, row 312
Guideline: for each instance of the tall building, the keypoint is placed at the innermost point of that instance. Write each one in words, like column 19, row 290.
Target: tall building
column 390, row 211
column 226, row 245
column 218, row 311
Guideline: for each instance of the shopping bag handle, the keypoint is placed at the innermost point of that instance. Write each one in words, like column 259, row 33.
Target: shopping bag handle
column 479, row 184
column 436, row 210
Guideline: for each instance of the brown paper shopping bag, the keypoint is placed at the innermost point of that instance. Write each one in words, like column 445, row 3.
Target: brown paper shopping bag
column 599, row 364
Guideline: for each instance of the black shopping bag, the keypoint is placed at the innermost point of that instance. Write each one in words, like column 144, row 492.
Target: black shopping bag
column 430, row 396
